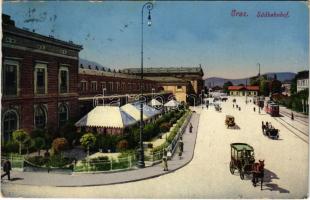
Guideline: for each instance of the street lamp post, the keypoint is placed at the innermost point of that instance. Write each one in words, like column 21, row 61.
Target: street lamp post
column 149, row 7
column 202, row 95
column 258, row 88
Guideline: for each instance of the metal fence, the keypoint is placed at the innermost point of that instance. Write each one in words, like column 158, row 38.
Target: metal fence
column 157, row 156
column 17, row 161
column 105, row 165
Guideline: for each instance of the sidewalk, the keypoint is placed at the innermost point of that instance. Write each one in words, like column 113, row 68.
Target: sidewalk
column 77, row 180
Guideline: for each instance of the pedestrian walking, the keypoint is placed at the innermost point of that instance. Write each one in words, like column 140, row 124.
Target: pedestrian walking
column 165, row 163
column 6, row 168
column 181, row 146
column 254, row 109
column 190, row 127
column 233, row 105
column 239, row 108
column 292, row 116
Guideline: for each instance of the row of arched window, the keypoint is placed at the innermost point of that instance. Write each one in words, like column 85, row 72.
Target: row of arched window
column 11, row 119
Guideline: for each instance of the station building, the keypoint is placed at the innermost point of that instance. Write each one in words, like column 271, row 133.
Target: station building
column 39, row 80
column 243, row 90
column 185, row 83
column 44, row 85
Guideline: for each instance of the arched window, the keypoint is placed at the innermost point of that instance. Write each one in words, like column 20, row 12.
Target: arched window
column 10, row 124
column 62, row 114
column 40, row 117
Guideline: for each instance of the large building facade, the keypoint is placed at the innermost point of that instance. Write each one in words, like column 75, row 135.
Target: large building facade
column 39, row 80
column 44, row 85
column 185, row 83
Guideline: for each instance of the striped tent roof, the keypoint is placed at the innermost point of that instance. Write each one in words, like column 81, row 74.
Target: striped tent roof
column 106, row 116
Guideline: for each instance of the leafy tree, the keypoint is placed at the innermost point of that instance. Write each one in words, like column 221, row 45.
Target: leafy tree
column 226, row 85
column 294, row 86
column 59, row 144
column 20, row 136
column 264, row 87
column 39, row 143
column 88, row 140
column 28, row 143
column 275, row 86
column 69, row 132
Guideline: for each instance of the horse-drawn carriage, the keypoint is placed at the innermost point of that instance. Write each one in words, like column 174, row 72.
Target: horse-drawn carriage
column 217, row 107
column 270, row 131
column 243, row 160
column 230, row 121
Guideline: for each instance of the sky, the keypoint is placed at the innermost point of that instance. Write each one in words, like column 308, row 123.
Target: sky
column 183, row 34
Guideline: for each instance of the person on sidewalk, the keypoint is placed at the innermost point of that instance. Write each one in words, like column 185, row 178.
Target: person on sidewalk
column 181, row 145
column 6, row 168
column 165, row 162
column 292, row 116
column 190, row 127
column 254, row 109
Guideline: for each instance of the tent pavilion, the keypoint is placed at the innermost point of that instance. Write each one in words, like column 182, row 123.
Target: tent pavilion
column 134, row 112
column 172, row 103
column 147, row 110
column 106, row 119
column 155, row 103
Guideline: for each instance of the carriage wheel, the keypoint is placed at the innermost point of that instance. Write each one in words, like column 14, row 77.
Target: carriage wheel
column 241, row 174
column 231, row 167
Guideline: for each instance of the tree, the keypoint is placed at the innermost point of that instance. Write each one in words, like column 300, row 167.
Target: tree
column 28, row 142
column 39, row 143
column 59, row 144
column 254, row 81
column 294, row 86
column 275, row 86
column 20, row 136
column 88, row 140
column 226, row 85
column 264, row 87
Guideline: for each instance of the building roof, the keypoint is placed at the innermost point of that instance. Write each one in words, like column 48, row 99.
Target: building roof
column 106, row 116
column 10, row 27
column 165, row 70
column 252, row 88
column 303, row 74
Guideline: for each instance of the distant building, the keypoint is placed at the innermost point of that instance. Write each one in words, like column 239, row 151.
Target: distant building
column 243, row 90
column 302, row 80
column 184, row 82
column 286, row 88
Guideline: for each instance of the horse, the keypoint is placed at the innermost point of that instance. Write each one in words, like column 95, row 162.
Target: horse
column 258, row 172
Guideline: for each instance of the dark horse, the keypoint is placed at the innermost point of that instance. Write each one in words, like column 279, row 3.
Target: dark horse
column 258, row 172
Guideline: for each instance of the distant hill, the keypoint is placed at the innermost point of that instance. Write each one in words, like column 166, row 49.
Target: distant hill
column 216, row 81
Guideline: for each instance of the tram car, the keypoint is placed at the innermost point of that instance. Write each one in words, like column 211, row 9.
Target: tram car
column 272, row 108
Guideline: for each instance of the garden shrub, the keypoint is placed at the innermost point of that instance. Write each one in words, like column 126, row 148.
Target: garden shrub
column 10, row 147
column 59, row 144
column 164, row 127
column 122, row 145
column 37, row 160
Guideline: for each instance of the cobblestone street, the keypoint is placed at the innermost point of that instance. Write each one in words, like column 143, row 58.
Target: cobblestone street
column 208, row 175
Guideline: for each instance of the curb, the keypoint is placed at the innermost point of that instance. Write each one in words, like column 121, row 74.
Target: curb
column 135, row 180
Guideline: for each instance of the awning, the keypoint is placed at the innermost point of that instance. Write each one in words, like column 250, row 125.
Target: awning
column 172, row 103
column 155, row 102
column 134, row 112
column 106, row 116
column 147, row 110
